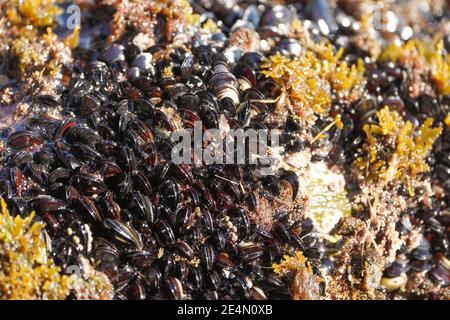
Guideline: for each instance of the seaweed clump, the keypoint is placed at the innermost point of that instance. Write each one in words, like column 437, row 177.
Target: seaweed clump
column 310, row 83
column 39, row 13
column 426, row 59
column 305, row 284
column 26, row 270
column 152, row 19
column 35, row 46
column 92, row 284
column 395, row 150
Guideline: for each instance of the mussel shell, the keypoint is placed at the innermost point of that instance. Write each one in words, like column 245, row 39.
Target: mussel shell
column 174, row 288
column 43, row 204
column 164, row 232
column 21, row 140
column 122, row 233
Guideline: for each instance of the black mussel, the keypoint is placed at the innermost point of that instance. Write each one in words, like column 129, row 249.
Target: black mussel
column 276, row 21
column 440, row 274
column 43, row 204
column 421, row 265
column 181, row 172
column 140, row 259
column 109, row 207
column 272, row 184
column 44, row 158
column 85, row 152
column 250, row 252
column 169, row 192
column 224, row 262
column 184, row 249
column 59, row 175
column 164, row 233
column 21, row 140
column 399, row 266
column 174, row 288
column 141, row 206
column 181, row 271
column 282, row 232
column 243, row 221
column 214, row 279
column 185, row 219
column 122, row 233
column 36, row 173
column 240, row 286
column 315, row 253
column 141, row 183
column 151, row 277
column 422, row 252
column 87, row 208
column 20, row 158
column 297, row 241
column 121, row 183
column 291, row 178
column 47, row 101
column 134, row 290
column 208, row 256
column 88, row 184
column 195, row 277
column 208, row 220
column 81, row 134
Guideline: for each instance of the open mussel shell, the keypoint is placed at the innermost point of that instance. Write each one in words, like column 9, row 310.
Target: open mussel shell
column 23, row 140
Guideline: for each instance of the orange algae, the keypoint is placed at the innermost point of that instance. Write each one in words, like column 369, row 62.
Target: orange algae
column 26, row 270
column 305, row 284
column 395, row 150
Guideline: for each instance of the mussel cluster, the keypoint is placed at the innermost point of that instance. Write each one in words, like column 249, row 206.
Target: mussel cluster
column 102, row 180
column 94, row 158
column 430, row 258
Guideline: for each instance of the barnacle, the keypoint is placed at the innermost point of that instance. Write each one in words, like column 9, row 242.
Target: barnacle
column 305, row 284
column 395, row 150
column 26, row 271
column 310, row 82
column 92, row 284
column 427, row 55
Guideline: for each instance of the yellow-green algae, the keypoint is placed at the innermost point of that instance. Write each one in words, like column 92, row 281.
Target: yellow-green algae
column 37, row 13
column 33, row 43
column 26, row 270
column 427, row 54
column 310, row 82
column 395, row 150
